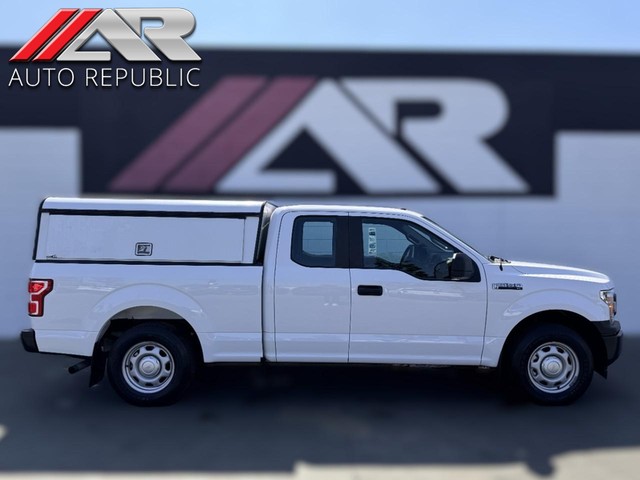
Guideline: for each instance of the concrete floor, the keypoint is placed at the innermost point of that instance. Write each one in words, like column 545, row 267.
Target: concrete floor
column 315, row 422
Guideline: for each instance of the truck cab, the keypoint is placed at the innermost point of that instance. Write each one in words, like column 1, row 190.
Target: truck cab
column 150, row 289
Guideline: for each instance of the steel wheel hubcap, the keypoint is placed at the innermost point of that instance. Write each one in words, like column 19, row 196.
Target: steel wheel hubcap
column 148, row 367
column 553, row 367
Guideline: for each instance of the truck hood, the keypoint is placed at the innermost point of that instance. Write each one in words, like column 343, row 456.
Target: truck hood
column 543, row 270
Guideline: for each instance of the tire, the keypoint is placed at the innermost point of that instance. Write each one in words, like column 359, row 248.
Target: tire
column 151, row 365
column 552, row 365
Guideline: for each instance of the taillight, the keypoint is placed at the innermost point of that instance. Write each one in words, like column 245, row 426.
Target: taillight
column 38, row 289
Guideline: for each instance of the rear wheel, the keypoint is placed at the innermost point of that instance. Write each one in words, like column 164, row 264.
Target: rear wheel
column 552, row 365
column 150, row 365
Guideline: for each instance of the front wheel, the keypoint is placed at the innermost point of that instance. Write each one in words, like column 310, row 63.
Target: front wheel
column 150, row 365
column 553, row 365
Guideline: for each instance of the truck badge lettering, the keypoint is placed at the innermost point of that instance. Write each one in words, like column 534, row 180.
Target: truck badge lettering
column 507, row 286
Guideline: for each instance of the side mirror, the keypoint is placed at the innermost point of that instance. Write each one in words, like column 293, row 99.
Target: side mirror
column 462, row 267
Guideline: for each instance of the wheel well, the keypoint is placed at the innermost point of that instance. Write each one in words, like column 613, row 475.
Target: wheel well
column 132, row 317
column 570, row 320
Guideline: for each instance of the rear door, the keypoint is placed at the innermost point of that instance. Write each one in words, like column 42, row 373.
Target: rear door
column 312, row 294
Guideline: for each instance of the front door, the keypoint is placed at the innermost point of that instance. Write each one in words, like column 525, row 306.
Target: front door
column 405, row 306
column 312, row 289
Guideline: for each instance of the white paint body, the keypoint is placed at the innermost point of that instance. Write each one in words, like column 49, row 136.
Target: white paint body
column 204, row 270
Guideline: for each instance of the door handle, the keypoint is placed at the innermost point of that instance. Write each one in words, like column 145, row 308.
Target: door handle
column 370, row 290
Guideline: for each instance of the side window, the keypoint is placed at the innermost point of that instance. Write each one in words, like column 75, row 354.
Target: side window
column 314, row 241
column 405, row 246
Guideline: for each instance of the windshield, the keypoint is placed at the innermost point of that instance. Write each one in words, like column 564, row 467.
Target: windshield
column 457, row 238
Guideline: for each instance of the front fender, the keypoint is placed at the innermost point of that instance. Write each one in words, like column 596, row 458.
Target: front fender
column 505, row 313
column 500, row 323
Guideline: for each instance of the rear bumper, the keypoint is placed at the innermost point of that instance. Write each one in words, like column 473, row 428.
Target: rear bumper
column 611, row 334
column 28, row 338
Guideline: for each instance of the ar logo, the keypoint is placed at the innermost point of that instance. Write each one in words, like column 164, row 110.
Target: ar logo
column 379, row 131
column 70, row 28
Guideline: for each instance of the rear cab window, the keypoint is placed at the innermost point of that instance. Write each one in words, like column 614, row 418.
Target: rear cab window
column 314, row 241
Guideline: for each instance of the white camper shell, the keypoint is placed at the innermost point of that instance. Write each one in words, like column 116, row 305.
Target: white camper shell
column 179, row 231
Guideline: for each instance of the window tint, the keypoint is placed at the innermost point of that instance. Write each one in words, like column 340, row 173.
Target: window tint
column 314, row 242
column 402, row 245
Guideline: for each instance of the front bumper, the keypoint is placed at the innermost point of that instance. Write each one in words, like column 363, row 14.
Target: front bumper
column 28, row 338
column 611, row 334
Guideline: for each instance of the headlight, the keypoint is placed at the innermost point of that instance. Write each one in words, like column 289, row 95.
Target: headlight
column 610, row 298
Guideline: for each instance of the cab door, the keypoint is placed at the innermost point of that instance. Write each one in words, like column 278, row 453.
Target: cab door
column 312, row 296
column 405, row 306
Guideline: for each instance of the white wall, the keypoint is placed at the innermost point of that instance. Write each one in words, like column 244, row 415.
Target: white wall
column 34, row 163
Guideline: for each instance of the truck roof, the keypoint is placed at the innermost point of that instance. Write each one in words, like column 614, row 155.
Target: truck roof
column 153, row 205
column 348, row 208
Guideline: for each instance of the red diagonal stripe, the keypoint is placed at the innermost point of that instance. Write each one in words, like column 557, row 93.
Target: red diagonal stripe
column 214, row 160
column 173, row 147
column 43, row 35
column 67, row 34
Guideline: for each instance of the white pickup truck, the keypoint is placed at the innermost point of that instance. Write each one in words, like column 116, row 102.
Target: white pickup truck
column 148, row 290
